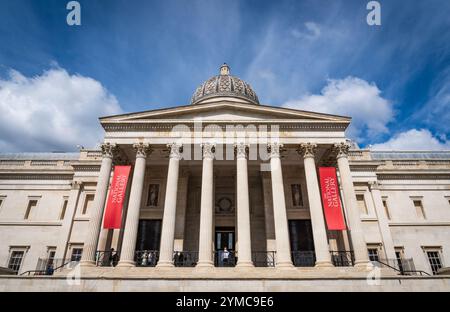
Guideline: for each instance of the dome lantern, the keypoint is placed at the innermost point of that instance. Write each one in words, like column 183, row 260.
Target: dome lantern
column 224, row 85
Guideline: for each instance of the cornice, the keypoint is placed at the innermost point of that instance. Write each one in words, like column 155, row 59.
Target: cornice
column 413, row 176
column 131, row 126
column 35, row 176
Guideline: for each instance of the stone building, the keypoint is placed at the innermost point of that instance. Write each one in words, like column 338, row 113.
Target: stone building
column 226, row 172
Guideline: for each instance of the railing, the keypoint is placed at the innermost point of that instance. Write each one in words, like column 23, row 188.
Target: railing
column 263, row 258
column 146, row 258
column 106, row 258
column 303, row 258
column 34, row 272
column 46, row 266
column 185, row 258
column 223, row 259
column 402, row 266
column 342, row 258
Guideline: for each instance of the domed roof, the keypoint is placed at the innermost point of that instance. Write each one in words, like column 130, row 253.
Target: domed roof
column 224, row 85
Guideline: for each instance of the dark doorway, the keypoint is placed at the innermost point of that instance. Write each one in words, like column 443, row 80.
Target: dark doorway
column 224, row 238
column 302, row 243
column 149, row 235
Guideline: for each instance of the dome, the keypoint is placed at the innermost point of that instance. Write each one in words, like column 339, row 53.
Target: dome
column 224, row 85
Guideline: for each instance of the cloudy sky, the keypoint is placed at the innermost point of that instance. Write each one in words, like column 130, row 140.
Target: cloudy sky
column 318, row 55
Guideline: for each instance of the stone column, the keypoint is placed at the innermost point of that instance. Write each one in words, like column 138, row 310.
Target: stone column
column 205, row 251
column 244, row 251
column 356, row 232
column 283, row 256
column 170, row 208
column 96, row 215
column 383, row 223
column 134, row 206
column 323, row 257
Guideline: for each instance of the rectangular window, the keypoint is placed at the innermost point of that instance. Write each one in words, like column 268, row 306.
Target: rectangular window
column 386, row 209
column 89, row 200
column 419, row 208
column 297, row 198
column 32, row 203
column 15, row 260
column 153, row 195
column 76, row 254
column 63, row 209
column 434, row 259
column 2, row 200
column 51, row 256
column 399, row 257
column 373, row 254
column 361, row 203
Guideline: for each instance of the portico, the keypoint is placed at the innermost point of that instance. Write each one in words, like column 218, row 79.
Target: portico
column 226, row 181
column 202, row 200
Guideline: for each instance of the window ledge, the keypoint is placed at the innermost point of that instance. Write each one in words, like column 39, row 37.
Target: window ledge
column 30, row 223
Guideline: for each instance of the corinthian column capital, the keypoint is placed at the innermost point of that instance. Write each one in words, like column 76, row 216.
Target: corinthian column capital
column 109, row 150
column 175, row 150
column 208, row 150
column 241, row 150
column 142, row 150
column 341, row 149
column 274, row 149
column 373, row 185
column 76, row 185
column 307, row 150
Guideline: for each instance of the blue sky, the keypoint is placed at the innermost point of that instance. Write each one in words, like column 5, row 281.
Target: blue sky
column 127, row 56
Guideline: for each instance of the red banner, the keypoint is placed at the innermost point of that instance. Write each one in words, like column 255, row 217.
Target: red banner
column 113, row 214
column 330, row 198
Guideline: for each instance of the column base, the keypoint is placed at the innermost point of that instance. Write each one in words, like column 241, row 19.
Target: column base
column 164, row 264
column 126, row 264
column 323, row 264
column 87, row 263
column 205, row 264
column 284, row 264
column 245, row 264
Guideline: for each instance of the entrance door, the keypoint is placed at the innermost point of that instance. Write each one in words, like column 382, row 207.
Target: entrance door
column 302, row 243
column 224, row 237
column 149, row 235
column 147, row 242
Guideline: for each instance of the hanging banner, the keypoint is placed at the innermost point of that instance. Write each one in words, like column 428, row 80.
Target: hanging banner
column 331, row 199
column 113, row 214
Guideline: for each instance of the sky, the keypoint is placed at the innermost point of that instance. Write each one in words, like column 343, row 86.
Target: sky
column 317, row 55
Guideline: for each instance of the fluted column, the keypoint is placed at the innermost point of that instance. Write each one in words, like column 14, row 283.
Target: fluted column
column 205, row 251
column 383, row 223
column 170, row 208
column 322, row 251
column 134, row 206
column 357, row 235
column 96, row 214
column 244, row 251
column 283, row 256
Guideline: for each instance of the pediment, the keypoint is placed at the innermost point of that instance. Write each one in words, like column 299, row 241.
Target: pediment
column 233, row 112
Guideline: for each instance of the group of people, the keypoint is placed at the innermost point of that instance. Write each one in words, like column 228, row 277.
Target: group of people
column 225, row 258
column 113, row 257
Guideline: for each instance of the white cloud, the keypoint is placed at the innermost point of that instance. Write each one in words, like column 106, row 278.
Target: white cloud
column 413, row 140
column 435, row 113
column 312, row 31
column 53, row 111
column 353, row 97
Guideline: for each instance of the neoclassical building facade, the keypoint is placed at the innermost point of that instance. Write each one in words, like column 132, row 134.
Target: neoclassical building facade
column 225, row 183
